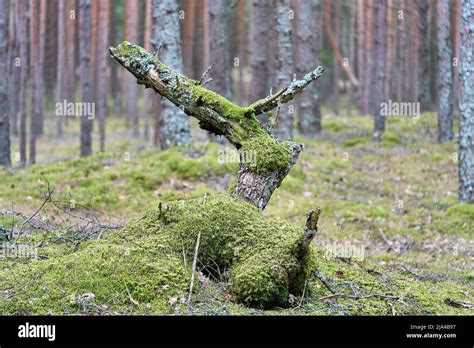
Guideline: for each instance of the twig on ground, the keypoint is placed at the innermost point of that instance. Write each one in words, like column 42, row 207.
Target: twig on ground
column 194, row 267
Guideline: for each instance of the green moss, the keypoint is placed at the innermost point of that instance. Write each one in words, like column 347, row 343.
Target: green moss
column 262, row 256
column 355, row 141
column 267, row 153
column 391, row 138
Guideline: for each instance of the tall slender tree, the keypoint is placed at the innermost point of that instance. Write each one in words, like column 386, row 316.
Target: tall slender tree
column 5, row 159
column 259, row 47
column 424, row 56
column 361, row 56
column 336, row 74
column 71, row 50
column 283, row 65
column 61, row 85
column 41, row 62
column 35, row 80
column 131, row 34
column 174, row 126
column 307, row 50
column 369, row 68
column 466, row 104
column 102, row 57
column 147, row 94
column 189, row 27
column 22, row 36
column 379, row 58
column 85, row 24
column 219, row 48
column 445, row 71
column 13, row 70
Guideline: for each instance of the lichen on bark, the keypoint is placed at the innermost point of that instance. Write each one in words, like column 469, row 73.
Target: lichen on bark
column 256, row 180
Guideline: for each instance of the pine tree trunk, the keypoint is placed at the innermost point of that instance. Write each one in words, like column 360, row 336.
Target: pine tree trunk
column 85, row 24
column 456, row 35
column 308, row 40
column 380, row 43
column 131, row 34
column 259, row 48
column 219, row 48
column 41, row 63
column 445, row 71
column 5, row 159
column 174, row 127
column 35, row 70
column 336, row 70
column 424, row 56
column 466, row 104
column 102, row 93
column 23, row 42
column 13, row 71
column 241, row 47
column 188, row 35
column 283, row 65
column 71, row 51
column 61, row 84
column 147, row 45
column 369, row 68
column 361, row 56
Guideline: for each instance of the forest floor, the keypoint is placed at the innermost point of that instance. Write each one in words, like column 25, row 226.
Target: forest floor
column 392, row 240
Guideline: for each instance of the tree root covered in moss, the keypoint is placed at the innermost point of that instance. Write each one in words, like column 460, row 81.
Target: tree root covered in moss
column 263, row 260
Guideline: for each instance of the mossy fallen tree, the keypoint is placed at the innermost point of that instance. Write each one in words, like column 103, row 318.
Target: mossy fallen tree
column 272, row 160
column 263, row 260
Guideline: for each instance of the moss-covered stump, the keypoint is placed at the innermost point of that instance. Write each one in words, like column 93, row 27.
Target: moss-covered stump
column 149, row 261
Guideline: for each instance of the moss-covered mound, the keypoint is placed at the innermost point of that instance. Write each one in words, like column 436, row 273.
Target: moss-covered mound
column 150, row 260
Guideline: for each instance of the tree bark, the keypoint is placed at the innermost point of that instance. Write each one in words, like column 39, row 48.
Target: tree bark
column 174, row 127
column 264, row 160
column 424, row 56
column 219, row 48
column 85, row 24
column 41, row 63
column 5, row 159
column 445, row 73
column 102, row 92
column 361, row 56
column 380, row 43
column 259, row 48
column 131, row 34
column 23, row 44
column 13, row 75
column 283, row 65
column 35, row 72
column 189, row 26
column 61, row 68
column 308, row 48
column 147, row 46
column 466, row 104
column 369, row 68
column 336, row 76
column 71, row 51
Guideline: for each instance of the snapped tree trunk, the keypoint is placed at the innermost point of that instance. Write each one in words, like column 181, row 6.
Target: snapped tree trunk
column 264, row 161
